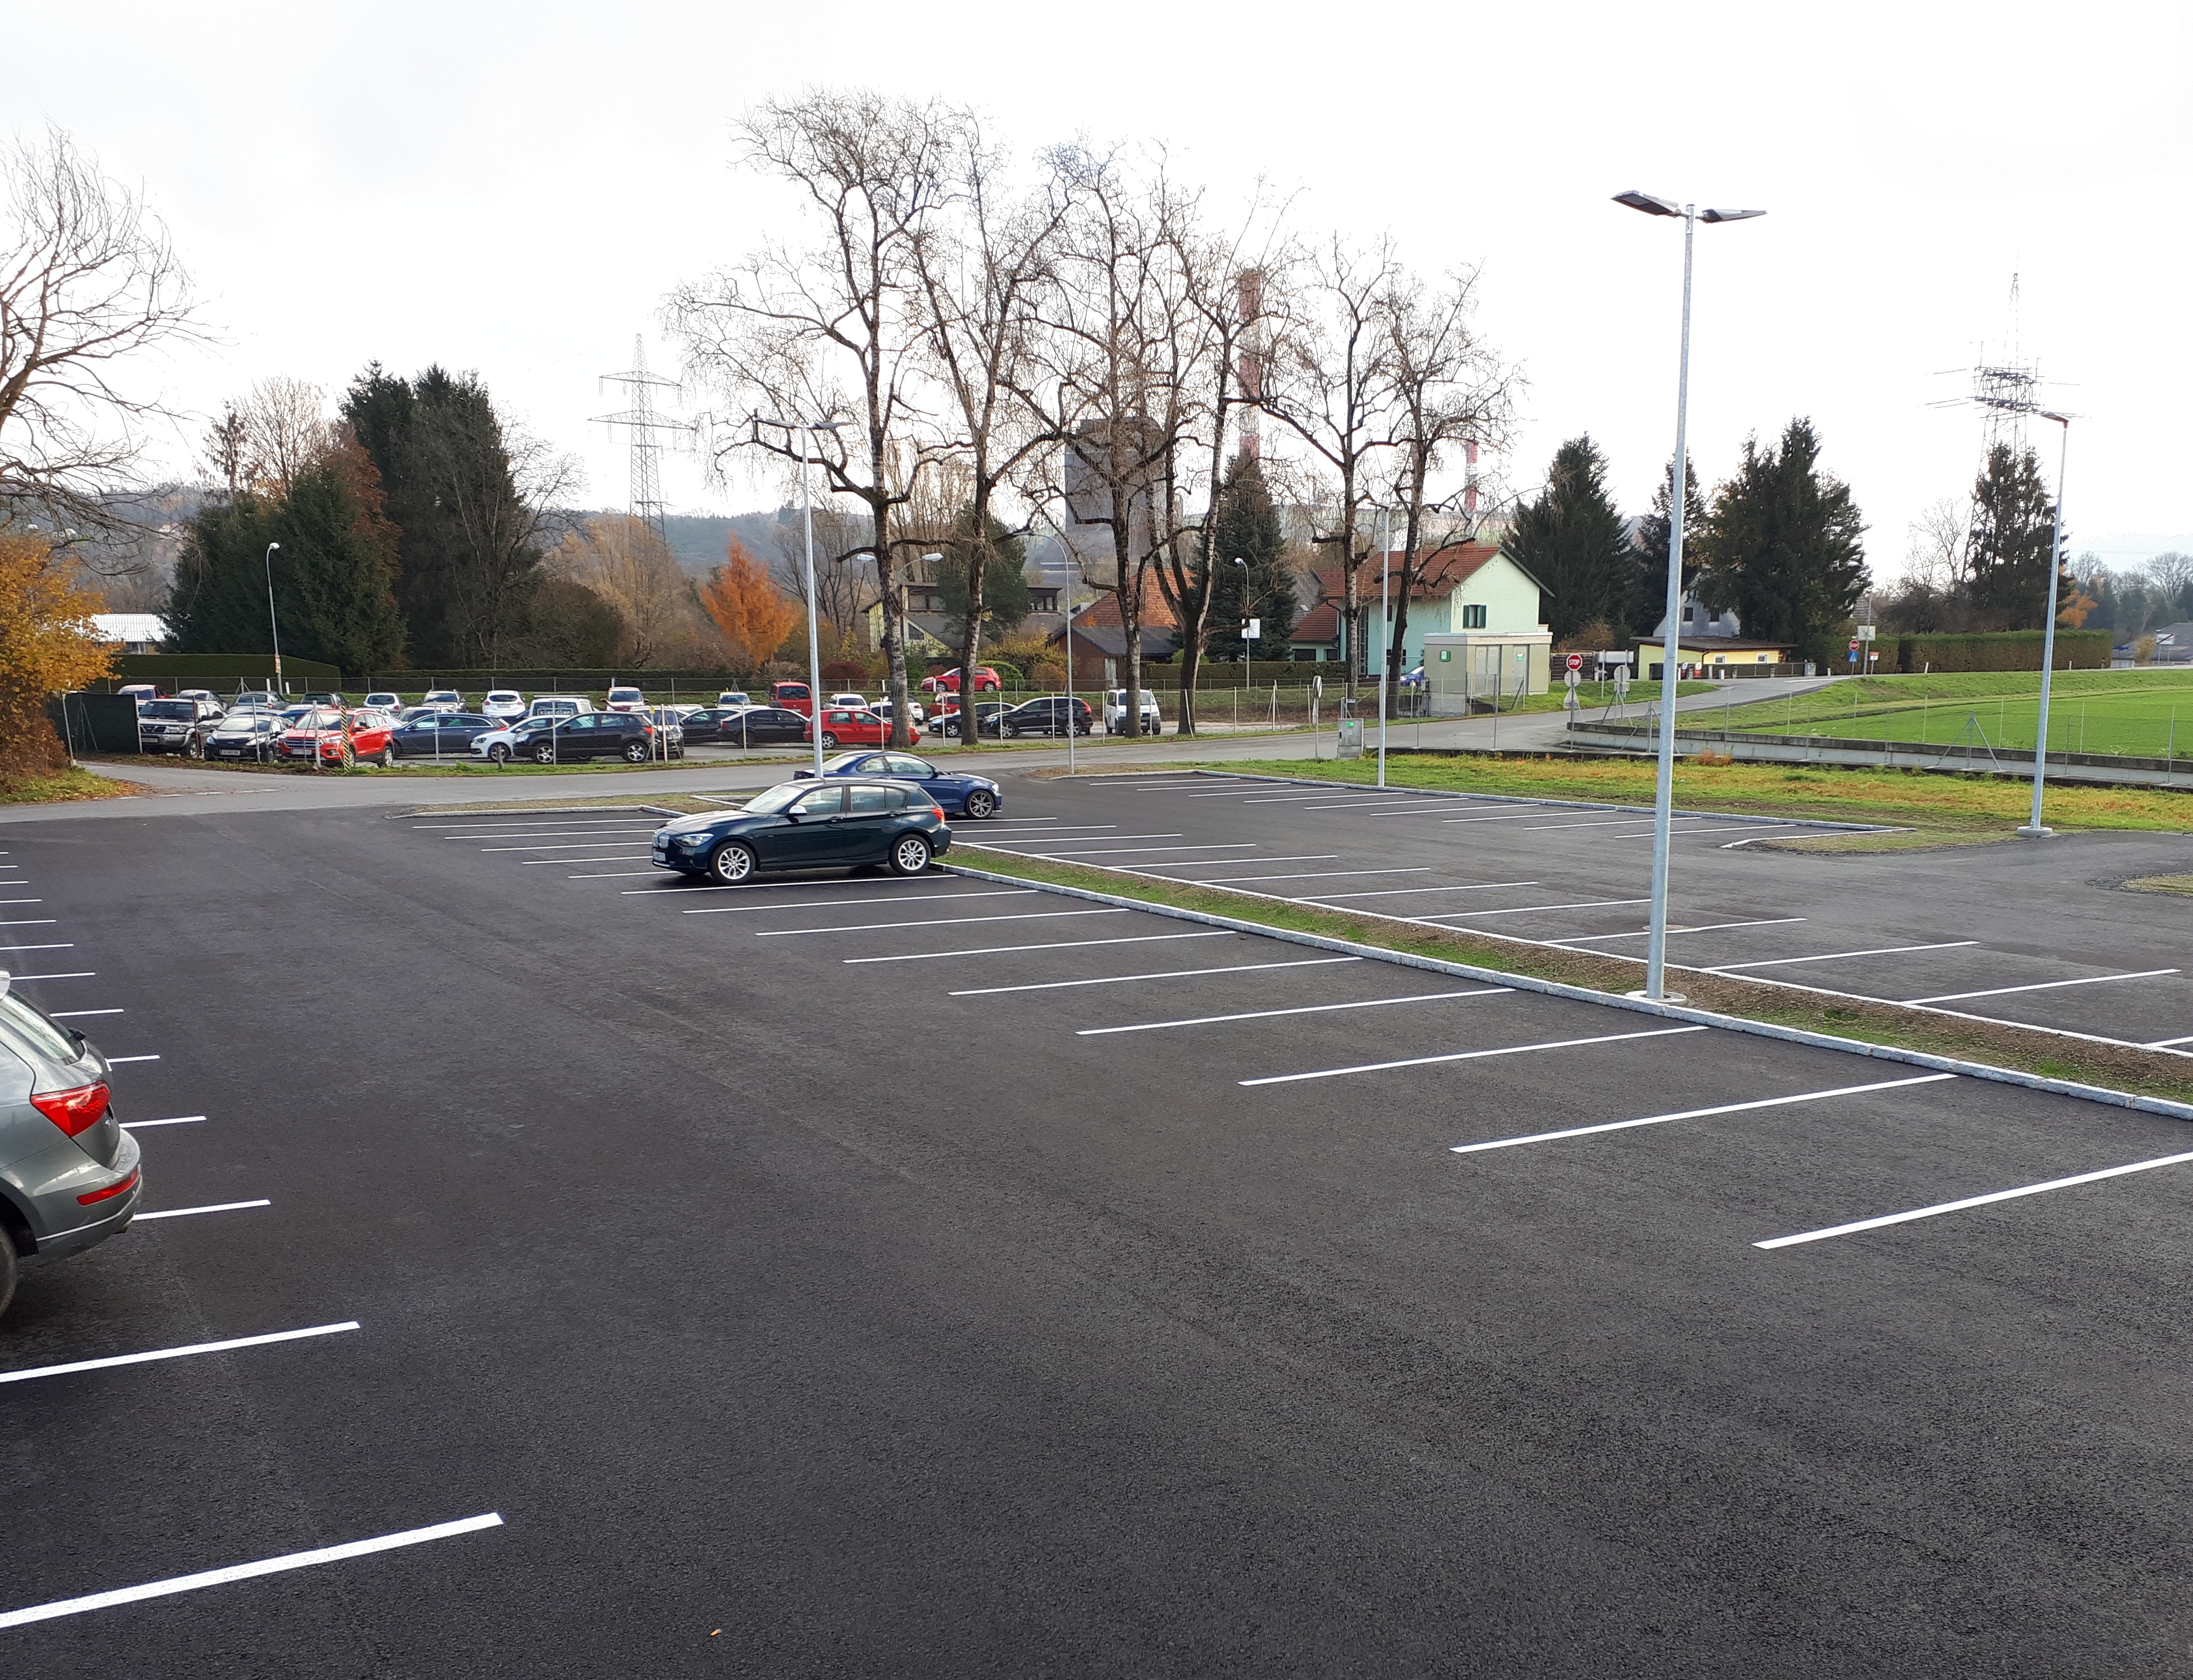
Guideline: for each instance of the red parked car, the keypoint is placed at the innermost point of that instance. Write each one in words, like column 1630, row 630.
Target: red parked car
column 320, row 733
column 948, row 681
column 842, row 728
column 792, row 697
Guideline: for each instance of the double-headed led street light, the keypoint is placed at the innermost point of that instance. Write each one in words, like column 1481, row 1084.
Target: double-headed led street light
column 1656, row 949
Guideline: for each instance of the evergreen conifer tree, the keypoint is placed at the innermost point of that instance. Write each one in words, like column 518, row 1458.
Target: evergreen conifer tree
column 1245, row 526
column 1005, row 596
column 1781, row 545
column 2012, row 530
column 1575, row 543
column 1648, row 595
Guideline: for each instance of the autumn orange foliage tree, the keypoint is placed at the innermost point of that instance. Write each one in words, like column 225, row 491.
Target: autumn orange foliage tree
column 747, row 607
column 47, row 646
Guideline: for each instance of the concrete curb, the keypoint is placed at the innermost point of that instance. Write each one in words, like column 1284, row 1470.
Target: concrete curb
column 2005, row 1075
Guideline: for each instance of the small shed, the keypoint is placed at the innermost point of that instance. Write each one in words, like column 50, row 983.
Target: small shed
column 1467, row 668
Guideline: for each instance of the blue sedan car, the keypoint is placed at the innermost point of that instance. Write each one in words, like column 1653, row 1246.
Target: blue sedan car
column 976, row 797
column 808, row 825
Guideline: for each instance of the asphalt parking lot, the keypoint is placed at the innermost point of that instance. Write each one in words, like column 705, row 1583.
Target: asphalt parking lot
column 856, row 1275
column 2038, row 934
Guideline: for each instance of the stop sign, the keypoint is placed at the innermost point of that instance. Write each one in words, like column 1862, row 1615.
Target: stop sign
column 1576, row 662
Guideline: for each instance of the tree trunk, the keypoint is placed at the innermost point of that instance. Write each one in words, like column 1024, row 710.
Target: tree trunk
column 978, row 561
column 893, row 631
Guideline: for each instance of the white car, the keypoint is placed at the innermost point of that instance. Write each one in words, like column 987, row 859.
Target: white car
column 382, row 700
column 562, row 705
column 916, row 712
column 852, row 702
column 733, row 697
column 443, row 700
column 503, row 703
column 625, row 698
column 1115, row 712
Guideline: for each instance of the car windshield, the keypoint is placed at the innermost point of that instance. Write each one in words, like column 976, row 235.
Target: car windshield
column 319, row 720
column 845, row 761
column 169, row 709
column 774, row 799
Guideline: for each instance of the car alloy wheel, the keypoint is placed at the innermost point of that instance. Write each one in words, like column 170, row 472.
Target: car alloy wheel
column 980, row 804
column 500, row 753
column 635, row 752
column 829, row 742
column 387, row 757
column 732, row 862
column 949, row 731
column 909, row 854
column 194, row 747
column 544, row 754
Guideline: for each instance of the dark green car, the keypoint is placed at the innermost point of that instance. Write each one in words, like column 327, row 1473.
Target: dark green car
column 843, row 823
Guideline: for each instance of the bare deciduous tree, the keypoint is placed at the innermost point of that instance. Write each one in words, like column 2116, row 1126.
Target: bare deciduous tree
column 87, row 279
column 1449, row 389
column 1332, row 387
column 844, row 573
column 831, row 332
column 621, row 560
column 286, row 429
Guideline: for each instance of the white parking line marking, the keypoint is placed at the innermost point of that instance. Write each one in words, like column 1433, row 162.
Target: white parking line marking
column 236, row 1572
column 112, row 1061
column 560, row 833
column 2044, row 985
column 2165, row 1043
column 1529, row 909
column 210, row 1207
column 1228, row 863
column 1113, row 851
column 1399, row 892
column 1381, row 808
column 1837, row 956
column 1303, row 1010
column 21, row 883
column 1728, row 828
column 1467, row 1055
column 1169, row 974
column 70, row 1015
column 1707, row 928
column 180, row 1120
column 1062, row 945
column 1875, row 1224
column 33, row 922
column 818, row 903
column 84, row 973
column 560, row 846
column 1612, row 822
column 565, row 863
column 940, row 922
column 609, row 874
column 1081, row 840
column 13, row 949
column 1698, row 1114
column 108, row 1364
column 1312, row 875
column 1518, row 816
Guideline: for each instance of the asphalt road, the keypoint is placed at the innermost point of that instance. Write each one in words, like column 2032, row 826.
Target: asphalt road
column 2041, row 933
column 867, row 1276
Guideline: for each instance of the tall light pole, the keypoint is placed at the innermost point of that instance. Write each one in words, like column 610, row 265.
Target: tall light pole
column 273, row 629
column 807, row 430
column 1385, row 633
column 1070, row 718
column 1656, row 948
column 2033, row 830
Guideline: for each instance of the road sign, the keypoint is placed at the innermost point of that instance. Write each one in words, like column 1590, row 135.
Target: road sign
column 1865, row 632
column 1576, row 662
column 1317, row 687
column 1853, row 644
column 1569, row 677
column 1620, row 680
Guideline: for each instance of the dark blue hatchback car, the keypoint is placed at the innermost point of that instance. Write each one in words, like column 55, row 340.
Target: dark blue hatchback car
column 976, row 797
column 809, row 825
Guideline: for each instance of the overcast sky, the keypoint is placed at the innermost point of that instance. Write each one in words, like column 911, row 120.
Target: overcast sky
column 513, row 188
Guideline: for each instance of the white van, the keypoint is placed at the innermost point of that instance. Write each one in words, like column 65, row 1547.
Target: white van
column 1115, row 712
column 559, row 705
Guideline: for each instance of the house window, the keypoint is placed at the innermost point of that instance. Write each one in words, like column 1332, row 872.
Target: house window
column 1472, row 618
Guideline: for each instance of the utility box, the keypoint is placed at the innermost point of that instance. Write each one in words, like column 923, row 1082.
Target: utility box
column 1349, row 738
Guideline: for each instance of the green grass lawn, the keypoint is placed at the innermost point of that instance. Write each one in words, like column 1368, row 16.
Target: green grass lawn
column 2146, row 713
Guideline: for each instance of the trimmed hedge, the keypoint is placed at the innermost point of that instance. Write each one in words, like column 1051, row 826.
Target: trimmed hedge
column 2001, row 650
column 215, row 671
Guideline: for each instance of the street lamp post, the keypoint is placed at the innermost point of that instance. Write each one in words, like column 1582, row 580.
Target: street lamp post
column 273, row 629
column 1385, row 633
column 2033, row 830
column 1656, row 948
column 807, row 430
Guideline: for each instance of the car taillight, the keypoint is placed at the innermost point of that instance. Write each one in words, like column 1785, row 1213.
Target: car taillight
column 74, row 1111
column 121, row 1186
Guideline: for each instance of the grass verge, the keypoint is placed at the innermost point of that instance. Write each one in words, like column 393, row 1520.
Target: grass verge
column 2113, row 1067
column 63, row 786
column 2181, row 885
column 1941, row 809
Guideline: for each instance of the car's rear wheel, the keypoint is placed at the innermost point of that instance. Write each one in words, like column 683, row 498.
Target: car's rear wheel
column 7, row 1269
column 544, row 754
column 980, row 804
column 387, row 757
column 194, row 747
column 829, row 742
column 635, row 752
column 732, row 862
column 950, row 731
column 500, row 753
column 909, row 854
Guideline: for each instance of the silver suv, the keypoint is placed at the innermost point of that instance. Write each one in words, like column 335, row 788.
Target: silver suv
column 69, row 1173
